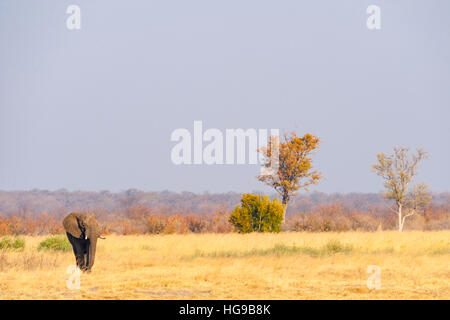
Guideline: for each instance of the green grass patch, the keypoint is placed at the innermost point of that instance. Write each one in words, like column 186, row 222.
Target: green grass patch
column 335, row 246
column 331, row 248
column 55, row 243
column 439, row 251
column 8, row 243
column 387, row 250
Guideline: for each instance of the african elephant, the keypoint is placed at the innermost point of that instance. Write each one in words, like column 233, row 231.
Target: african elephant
column 83, row 231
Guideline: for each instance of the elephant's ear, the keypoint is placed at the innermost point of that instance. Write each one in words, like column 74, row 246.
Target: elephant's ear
column 70, row 223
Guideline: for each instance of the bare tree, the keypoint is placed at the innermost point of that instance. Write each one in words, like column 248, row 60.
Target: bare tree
column 398, row 170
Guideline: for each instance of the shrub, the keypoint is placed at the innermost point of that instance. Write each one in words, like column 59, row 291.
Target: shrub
column 8, row 243
column 155, row 225
column 196, row 224
column 176, row 224
column 55, row 243
column 220, row 222
column 257, row 213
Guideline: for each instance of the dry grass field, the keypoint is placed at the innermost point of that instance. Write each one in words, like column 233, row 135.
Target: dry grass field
column 414, row 265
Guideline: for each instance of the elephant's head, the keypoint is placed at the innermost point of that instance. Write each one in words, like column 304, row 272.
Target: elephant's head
column 86, row 230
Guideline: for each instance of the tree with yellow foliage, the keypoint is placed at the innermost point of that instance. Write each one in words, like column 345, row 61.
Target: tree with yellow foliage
column 288, row 164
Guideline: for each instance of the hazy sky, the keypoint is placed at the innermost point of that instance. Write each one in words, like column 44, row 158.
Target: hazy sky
column 94, row 109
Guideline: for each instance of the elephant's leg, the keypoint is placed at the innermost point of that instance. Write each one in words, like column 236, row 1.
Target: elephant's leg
column 84, row 255
column 80, row 261
column 78, row 251
column 87, row 253
column 79, row 256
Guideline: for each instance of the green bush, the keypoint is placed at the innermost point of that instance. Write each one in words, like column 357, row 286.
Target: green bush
column 55, row 243
column 257, row 213
column 8, row 243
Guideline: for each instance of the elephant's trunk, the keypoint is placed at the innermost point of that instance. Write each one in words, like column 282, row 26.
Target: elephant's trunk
column 91, row 253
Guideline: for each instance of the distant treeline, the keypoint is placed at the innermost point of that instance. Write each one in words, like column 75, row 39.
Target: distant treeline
column 134, row 211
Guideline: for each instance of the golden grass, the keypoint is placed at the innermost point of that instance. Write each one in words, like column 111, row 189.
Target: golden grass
column 414, row 265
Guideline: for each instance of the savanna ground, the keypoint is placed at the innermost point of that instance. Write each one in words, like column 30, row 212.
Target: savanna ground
column 414, row 265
